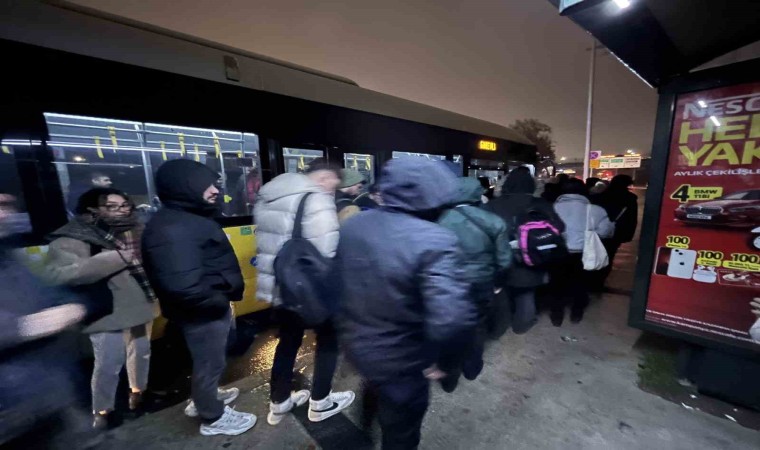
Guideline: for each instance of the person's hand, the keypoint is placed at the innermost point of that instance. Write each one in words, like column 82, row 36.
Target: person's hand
column 127, row 255
column 433, row 373
column 50, row 321
column 755, row 304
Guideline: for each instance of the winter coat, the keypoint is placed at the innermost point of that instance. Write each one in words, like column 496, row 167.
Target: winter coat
column 572, row 209
column 35, row 376
column 275, row 212
column 402, row 294
column 187, row 256
column 626, row 220
column 482, row 236
column 509, row 207
column 72, row 262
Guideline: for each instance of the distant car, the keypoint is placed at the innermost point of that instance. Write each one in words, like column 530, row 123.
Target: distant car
column 740, row 209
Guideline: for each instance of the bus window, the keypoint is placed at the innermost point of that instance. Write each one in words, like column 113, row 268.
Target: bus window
column 298, row 159
column 91, row 152
column 363, row 163
column 420, row 155
column 15, row 217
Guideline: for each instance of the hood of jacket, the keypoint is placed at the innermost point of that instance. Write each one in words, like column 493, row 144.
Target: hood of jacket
column 286, row 185
column 572, row 198
column 519, row 181
column 417, row 185
column 180, row 183
column 469, row 191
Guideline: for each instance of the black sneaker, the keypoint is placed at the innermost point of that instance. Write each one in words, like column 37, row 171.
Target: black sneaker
column 557, row 319
column 449, row 383
column 576, row 316
column 100, row 421
column 135, row 400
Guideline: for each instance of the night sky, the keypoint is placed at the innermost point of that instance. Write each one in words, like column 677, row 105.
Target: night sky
column 498, row 60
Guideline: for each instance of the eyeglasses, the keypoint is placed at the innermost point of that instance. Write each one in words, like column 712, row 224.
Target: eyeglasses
column 113, row 207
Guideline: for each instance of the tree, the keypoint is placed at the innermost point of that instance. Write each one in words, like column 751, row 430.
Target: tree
column 539, row 133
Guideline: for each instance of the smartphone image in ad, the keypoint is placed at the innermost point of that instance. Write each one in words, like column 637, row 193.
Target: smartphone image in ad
column 682, row 263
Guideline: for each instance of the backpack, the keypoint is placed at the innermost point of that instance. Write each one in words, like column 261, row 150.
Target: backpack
column 301, row 272
column 539, row 242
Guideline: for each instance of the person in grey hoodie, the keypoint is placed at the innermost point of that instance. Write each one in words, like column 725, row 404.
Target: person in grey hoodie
column 569, row 283
column 274, row 215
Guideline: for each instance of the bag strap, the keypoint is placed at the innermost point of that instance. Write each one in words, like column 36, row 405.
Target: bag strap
column 297, row 223
column 621, row 214
column 460, row 210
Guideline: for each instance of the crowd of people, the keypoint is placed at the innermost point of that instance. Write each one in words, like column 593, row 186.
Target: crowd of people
column 421, row 274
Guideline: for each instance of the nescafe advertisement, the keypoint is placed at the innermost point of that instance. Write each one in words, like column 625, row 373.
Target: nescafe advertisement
column 707, row 263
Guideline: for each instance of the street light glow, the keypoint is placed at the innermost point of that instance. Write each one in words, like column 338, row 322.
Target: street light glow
column 622, row 4
column 562, row 158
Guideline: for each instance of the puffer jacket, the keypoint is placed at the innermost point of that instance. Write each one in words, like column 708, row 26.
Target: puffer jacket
column 188, row 258
column 482, row 235
column 402, row 294
column 573, row 210
column 274, row 214
column 71, row 263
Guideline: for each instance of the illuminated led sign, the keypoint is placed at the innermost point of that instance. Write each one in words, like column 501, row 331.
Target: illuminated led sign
column 488, row 146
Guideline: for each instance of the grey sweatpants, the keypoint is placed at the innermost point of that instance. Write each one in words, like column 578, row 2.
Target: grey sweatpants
column 112, row 349
column 207, row 342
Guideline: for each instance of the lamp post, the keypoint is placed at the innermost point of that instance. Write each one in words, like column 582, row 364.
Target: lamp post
column 589, row 112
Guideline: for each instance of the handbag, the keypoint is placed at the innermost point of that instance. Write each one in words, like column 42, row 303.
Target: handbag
column 594, row 254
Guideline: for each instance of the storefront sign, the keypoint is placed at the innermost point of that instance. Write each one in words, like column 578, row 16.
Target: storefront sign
column 707, row 264
column 619, row 162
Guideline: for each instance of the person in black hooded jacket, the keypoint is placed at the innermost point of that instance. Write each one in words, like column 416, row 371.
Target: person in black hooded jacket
column 193, row 269
column 622, row 208
column 518, row 299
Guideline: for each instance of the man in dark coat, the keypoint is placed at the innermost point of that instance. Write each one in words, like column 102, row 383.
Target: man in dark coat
column 403, row 301
column 622, row 208
column 194, row 271
column 518, row 299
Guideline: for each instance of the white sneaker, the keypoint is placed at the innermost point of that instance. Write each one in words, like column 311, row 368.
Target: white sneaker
column 226, row 395
column 277, row 411
column 231, row 423
column 330, row 405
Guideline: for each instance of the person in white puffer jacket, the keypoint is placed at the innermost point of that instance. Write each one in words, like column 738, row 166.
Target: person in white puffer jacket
column 274, row 214
column 569, row 283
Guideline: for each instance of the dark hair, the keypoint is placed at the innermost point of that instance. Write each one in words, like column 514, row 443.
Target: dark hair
column 591, row 181
column 574, row 186
column 562, row 178
column 620, row 182
column 96, row 197
column 322, row 164
column 519, row 181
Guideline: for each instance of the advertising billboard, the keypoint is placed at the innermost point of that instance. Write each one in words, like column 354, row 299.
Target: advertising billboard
column 706, row 266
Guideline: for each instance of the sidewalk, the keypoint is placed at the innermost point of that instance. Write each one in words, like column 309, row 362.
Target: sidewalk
column 566, row 388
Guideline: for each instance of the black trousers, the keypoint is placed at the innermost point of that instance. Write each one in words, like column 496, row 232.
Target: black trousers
column 291, row 337
column 598, row 278
column 400, row 406
column 569, row 286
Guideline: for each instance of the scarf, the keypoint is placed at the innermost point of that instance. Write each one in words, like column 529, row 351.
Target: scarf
column 129, row 240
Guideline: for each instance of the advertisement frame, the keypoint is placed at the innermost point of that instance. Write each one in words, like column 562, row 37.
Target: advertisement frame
column 743, row 72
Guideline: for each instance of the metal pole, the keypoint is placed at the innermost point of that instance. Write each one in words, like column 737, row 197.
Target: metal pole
column 589, row 113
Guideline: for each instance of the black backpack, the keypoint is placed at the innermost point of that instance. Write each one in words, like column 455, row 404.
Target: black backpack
column 301, row 272
column 539, row 242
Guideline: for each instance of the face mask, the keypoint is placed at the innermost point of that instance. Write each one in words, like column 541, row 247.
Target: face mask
column 120, row 224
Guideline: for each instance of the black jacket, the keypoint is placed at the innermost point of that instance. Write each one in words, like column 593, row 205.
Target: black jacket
column 403, row 299
column 188, row 259
column 622, row 208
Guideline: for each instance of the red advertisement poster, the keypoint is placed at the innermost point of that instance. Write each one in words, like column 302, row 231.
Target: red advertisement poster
column 707, row 264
